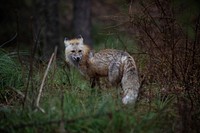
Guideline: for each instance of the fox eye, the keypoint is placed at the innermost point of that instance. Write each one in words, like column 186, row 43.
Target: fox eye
column 73, row 51
column 80, row 51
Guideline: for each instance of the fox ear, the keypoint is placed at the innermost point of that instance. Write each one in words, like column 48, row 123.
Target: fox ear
column 66, row 42
column 81, row 39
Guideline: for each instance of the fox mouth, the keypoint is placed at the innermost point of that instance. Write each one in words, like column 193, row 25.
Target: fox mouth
column 76, row 59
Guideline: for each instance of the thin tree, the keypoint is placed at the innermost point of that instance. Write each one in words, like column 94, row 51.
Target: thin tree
column 82, row 20
column 52, row 28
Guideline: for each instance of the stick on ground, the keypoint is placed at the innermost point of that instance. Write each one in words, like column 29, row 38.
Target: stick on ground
column 42, row 84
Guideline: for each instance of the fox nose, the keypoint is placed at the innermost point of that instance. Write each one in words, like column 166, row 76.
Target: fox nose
column 77, row 59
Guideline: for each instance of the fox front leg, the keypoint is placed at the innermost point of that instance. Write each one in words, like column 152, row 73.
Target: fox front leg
column 94, row 82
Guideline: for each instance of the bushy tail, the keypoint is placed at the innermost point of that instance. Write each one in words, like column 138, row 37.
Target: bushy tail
column 130, row 81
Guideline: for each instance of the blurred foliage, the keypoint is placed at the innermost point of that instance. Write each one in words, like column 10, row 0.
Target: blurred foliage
column 186, row 13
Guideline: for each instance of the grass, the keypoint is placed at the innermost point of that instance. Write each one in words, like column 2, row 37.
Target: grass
column 71, row 105
column 95, row 114
column 10, row 72
column 84, row 111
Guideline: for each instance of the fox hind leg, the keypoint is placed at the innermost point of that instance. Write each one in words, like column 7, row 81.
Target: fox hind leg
column 114, row 74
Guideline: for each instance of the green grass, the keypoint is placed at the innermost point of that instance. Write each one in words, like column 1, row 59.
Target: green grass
column 10, row 72
column 68, row 98
column 85, row 111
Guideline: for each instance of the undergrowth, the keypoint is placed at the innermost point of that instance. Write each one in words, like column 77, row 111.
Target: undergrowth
column 71, row 105
column 10, row 71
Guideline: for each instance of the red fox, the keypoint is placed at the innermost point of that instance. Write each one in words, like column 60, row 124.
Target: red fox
column 118, row 66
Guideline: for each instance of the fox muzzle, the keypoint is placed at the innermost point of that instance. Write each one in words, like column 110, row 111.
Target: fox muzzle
column 76, row 58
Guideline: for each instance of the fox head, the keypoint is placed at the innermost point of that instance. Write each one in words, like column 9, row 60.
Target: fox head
column 75, row 49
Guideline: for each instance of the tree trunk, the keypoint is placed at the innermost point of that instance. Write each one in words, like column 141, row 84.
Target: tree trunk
column 52, row 29
column 82, row 20
column 46, row 25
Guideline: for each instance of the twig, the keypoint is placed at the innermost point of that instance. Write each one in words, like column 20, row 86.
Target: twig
column 54, row 63
column 19, row 92
column 62, row 104
column 33, row 51
column 67, row 73
column 123, row 44
column 152, row 18
column 62, row 122
column 9, row 40
column 55, row 52
column 117, row 25
column 42, row 84
column 160, row 50
column 17, row 41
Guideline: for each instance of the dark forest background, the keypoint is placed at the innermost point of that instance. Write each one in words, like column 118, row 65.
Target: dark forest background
column 163, row 36
column 44, row 22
